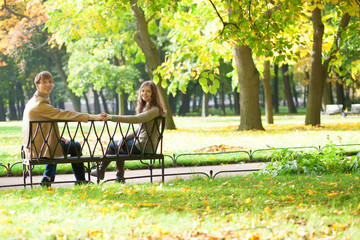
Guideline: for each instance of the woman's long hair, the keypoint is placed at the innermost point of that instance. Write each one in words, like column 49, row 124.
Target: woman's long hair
column 143, row 106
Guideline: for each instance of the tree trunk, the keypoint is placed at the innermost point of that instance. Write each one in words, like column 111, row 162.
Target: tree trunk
column 222, row 101
column 267, row 92
column 185, row 104
column 287, row 88
column 121, row 103
column 20, row 99
column 103, row 99
column 293, row 86
column 316, row 87
column 305, row 95
column 2, row 111
column 327, row 96
column 276, row 89
column 88, row 109
column 306, row 88
column 59, row 67
column 97, row 108
column 250, row 114
column 340, row 96
column 215, row 101
column 205, row 105
column 195, row 105
column 319, row 71
column 173, row 101
column 142, row 38
column 237, row 101
column 12, row 108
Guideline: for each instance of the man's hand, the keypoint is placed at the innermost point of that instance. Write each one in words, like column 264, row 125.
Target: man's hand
column 98, row 117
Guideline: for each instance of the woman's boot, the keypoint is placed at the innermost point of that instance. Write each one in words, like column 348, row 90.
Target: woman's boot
column 120, row 171
column 102, row 168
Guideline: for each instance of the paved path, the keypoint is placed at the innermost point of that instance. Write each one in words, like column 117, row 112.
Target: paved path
column 131, row 175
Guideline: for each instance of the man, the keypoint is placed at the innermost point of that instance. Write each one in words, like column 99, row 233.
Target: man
column 39, row 108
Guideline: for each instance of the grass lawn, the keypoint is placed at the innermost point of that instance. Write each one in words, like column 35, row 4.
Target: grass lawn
column 197, row 134
column 242, row 207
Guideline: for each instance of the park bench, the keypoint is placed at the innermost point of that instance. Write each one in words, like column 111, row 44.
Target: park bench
column 354, row 109
column 334, row 109
column 94, row 138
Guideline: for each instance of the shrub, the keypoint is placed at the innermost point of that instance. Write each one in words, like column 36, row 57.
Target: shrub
column 328, row 161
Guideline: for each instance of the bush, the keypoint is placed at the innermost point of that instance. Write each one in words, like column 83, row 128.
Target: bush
column 328, row 161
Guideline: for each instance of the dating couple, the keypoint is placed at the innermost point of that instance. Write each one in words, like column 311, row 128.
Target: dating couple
column 149, row 106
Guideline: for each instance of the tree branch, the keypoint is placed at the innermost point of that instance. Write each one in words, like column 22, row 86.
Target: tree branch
column 336, row 45
column 222, row 20
column 12, row 12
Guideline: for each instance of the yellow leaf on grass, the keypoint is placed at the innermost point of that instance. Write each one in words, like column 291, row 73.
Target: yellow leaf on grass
column 268, row 192
column 94, row 233
column 333, row 194
column 358, row 207
column 310, row 192
column 267, row 209
column 248, row 200
column 252, row 236
column 338, row 211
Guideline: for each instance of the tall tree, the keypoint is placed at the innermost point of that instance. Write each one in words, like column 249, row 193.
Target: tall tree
column 22, row 33
column 276, row 88
column 113, row 26
column 268, row 95
column 231, row 30
column 287, row 88
column 151, row 52
column 250, row 114
column 320, row 67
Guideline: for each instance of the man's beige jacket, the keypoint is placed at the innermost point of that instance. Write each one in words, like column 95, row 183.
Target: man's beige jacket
column 39, row 108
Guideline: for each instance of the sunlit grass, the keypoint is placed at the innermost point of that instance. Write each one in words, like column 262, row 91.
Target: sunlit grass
column 291, row 207
column 196, row 134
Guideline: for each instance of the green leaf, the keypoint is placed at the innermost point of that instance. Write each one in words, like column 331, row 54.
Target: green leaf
column 203, row 81
column 156, row 79
column 205, row 74
column 213, row 89
column 205, row 88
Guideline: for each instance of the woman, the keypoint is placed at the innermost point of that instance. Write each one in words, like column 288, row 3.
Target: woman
column 148, row 107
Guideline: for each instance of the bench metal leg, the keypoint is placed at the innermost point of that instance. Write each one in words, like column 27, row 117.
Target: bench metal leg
column 97, row 170
column 162, row 171
column 30, row 175
column 150, row 168
column 88, row 170
column 24, row 174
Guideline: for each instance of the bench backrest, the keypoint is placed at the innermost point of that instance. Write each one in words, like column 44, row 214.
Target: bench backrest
column 334, row 108
column 95, row 136
column 355, row 108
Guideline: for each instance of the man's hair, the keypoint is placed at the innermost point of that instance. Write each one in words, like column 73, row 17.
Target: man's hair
column 44, row 75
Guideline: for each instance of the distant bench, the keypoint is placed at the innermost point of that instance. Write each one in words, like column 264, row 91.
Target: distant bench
column 331, row 109
column 94, row 140
column 354, row 109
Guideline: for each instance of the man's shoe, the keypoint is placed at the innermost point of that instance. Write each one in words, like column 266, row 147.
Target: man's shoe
column 95, row 173
column 81, row 182
column 45, row 182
